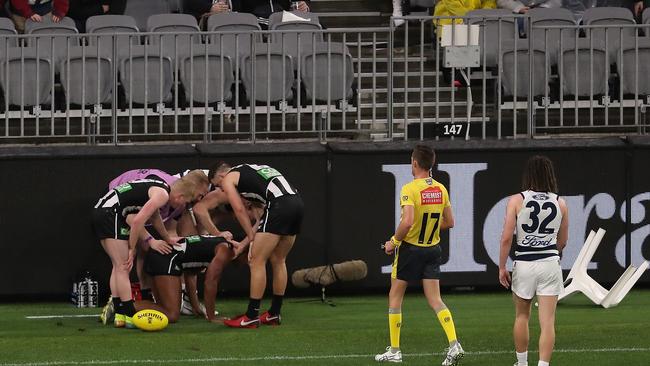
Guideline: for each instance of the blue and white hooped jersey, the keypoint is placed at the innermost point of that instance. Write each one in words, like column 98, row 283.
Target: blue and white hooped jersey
column 538, row 223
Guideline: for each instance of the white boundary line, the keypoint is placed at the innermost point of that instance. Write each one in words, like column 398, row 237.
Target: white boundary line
column 61, row 316
column 298, row 358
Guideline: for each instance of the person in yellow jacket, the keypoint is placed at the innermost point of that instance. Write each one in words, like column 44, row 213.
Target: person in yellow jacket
column 458, row 8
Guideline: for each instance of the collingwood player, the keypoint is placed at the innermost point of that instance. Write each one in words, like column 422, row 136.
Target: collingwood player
column 143, row 199
column 426, row 211
column 540, row 219
column 274, row 238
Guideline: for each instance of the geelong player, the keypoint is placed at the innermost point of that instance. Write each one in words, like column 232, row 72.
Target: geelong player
column 425, row 211
column 541, row 221
column 274, row 238
column 142, row 198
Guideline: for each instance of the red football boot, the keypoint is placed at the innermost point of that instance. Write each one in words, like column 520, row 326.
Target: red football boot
column 242, row 321
column 268, row 319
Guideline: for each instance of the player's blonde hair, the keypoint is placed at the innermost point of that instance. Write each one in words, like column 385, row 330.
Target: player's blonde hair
column 190, row 183
column 539, row 175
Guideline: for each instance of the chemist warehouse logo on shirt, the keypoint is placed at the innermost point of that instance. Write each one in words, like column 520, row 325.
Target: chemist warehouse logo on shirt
column 431, row 196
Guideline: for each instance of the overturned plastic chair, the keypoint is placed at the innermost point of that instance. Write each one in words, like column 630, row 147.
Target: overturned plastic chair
column 579, row 281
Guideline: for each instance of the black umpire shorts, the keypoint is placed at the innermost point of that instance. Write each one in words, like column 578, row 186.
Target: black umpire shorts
column 282, row 216
column 156, row 264
column 413, row 263
column 109, row 224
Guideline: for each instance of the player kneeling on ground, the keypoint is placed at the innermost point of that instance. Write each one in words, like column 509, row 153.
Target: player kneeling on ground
column 167, row 265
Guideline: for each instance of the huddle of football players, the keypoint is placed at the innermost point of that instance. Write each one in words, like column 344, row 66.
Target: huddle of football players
column 167, row 225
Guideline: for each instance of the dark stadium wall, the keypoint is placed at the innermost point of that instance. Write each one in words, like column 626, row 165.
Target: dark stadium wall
column 350, row 192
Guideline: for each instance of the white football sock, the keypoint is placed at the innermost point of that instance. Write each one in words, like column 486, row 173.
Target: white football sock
column 522, row 358
column 542, row 363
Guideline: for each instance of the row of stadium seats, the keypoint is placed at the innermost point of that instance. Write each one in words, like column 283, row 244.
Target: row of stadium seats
column 553, row 27
column 147, row 76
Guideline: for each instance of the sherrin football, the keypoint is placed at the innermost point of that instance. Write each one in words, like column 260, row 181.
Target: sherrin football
column 150, row 320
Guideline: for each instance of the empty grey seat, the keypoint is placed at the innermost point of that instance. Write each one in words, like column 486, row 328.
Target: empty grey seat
column 209, row 69
column 87, row 76
column 519, row 82
column 580, row 74
column 146, row 76
column 175, row 43
column 552, row 38
column 27, row 76
column 495, row 24
column 141, row 10
column 273, row 75
column 103, row 28
column 609, row 16
column 56, row 45
column 7, row 29
column 634, row 68
column 234, row 44
column 328, row 72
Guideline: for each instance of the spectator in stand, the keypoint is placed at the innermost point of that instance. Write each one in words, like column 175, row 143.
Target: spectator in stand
column 3, row 13
column 637, row 8
column 36, row 10
column 81, row 10
column 522, row 6
column 456, row 8
column 260, row 8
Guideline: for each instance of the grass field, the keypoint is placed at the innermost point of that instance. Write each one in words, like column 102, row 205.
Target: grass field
column 316, row 334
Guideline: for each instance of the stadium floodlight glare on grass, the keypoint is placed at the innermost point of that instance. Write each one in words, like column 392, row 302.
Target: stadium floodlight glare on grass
column 579, row 281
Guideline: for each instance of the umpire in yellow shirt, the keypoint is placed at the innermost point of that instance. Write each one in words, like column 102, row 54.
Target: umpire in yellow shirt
column 425, row 211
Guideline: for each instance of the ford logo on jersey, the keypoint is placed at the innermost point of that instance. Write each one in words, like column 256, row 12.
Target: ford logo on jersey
column 540, row 196
column 533, row 241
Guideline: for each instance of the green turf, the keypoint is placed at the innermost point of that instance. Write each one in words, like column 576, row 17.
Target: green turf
column 316, row 334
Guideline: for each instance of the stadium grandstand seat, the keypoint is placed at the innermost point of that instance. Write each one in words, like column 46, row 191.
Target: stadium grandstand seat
column 274, row 77
column 146, row 76
column 635, row 68
column 580, row 76
column 141, row 10
column 57, row 46
column 296, row 43
column 108, row 26
column 211, row 69
column 7, row 29
column 495, row 24
column 552, row 38
column 645, row 18
column 26, row 76
column 174, row 45
column 234, row 45
column 333, row 60
column 175, row 6
column 87, row 76
column 519, row 82
column 610, row 16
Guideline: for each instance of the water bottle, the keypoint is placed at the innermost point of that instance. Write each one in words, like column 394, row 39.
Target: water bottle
column 83, row 294
column 93, row 300
column 294, row 6
column 74, row 296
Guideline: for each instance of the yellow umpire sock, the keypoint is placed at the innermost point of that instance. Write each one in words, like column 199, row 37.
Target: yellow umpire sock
column 447, row 322
column 394, row 324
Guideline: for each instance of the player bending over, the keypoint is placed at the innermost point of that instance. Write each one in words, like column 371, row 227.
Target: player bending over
column 143, row 198
column 541, row 221
column 425, row 211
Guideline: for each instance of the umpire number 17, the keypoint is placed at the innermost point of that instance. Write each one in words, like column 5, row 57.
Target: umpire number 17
column 435, row 216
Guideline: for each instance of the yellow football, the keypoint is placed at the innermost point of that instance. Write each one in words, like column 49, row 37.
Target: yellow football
column 150, row 320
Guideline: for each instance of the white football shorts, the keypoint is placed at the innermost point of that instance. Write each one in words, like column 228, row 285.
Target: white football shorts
column 542, row 278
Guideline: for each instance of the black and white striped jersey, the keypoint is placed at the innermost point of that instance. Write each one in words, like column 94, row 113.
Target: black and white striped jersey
column 538, row 223
column 129, row 197
column 261, row 183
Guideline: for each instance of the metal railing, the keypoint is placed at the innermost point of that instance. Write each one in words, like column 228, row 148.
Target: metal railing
column 352, row 83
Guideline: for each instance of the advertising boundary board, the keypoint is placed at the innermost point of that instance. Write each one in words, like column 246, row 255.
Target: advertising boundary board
column 349, row 191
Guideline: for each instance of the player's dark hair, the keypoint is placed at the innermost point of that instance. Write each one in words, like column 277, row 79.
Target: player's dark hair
column 539, row 175
column 217, row 167
column 424, row 155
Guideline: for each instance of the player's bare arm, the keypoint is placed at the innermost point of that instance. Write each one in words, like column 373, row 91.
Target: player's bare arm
column 202, row 211
column 514, row 203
